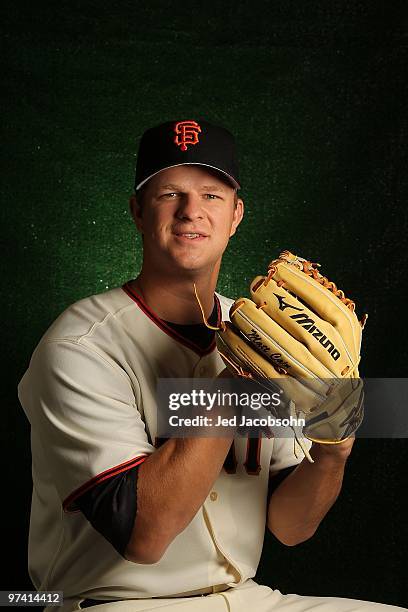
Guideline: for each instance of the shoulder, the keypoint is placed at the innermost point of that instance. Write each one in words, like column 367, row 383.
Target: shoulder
column 88, row 315
column 78, row 345
column 225, row 303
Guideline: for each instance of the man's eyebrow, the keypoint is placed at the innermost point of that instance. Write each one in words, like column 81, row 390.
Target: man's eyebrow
column 203, row 187
column 171, row 186
column 213, row 188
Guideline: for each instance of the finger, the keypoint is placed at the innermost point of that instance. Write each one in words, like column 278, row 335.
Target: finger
column 322, row 340
column 322, row 301
column 232, row 346
column 238, row 354
column 275, row 343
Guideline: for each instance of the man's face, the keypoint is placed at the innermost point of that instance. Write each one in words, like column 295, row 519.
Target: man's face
column 187, row 217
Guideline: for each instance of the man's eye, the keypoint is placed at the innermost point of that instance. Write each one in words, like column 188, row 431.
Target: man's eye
column 169, row 195
column 211, row 196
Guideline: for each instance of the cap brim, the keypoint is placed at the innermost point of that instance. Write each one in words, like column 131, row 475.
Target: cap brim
column 231, row 180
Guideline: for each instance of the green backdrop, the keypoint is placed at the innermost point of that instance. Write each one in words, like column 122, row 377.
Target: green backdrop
column 315, row 93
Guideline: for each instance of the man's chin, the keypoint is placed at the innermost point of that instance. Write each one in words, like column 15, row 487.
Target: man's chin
column 192, row 266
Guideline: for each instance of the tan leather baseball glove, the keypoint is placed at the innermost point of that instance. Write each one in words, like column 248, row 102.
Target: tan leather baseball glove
column 299, row 331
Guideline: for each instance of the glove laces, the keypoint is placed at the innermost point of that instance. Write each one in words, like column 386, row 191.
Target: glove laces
column 206, row 323
column 311, row 269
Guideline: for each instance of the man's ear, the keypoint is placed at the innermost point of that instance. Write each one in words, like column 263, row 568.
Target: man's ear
column 136, row 212
column 238, row 214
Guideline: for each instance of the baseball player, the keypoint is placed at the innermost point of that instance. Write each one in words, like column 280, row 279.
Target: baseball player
column 122, row 520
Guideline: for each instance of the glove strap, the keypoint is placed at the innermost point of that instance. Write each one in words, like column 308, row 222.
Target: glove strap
column 297, row 430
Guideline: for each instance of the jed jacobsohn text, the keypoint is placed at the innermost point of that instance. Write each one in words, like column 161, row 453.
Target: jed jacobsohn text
column 207, row 400
column 235, row 421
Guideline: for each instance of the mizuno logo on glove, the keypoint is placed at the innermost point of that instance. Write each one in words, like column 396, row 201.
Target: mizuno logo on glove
column 309, row 325
column 283, row 304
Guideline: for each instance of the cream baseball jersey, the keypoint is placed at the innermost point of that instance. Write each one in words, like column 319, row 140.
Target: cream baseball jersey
column 90, row 396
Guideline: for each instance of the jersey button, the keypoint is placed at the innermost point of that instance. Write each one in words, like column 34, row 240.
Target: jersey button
column 202, row 370
column 213, row 495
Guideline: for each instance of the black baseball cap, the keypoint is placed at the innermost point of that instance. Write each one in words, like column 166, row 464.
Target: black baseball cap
column 176, row 143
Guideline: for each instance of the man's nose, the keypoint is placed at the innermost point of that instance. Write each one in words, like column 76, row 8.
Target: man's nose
column 190, row 207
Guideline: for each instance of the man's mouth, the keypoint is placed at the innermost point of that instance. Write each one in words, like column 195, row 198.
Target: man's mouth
column 190, row 235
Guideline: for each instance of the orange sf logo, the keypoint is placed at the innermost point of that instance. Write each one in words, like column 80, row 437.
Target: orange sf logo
column 186, row 134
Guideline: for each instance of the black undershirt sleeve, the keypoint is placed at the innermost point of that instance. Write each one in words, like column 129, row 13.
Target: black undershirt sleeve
column 110, row 507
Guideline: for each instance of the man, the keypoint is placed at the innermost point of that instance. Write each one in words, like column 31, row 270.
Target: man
column 118, row 515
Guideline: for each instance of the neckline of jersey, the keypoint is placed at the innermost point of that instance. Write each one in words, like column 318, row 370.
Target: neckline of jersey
column 136, row 297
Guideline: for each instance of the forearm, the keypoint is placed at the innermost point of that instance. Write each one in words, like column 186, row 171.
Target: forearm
column 303, row 499
column 173, row 483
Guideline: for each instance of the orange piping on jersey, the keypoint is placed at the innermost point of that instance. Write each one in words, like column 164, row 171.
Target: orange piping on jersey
column 168, row 330
column 69, row 505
